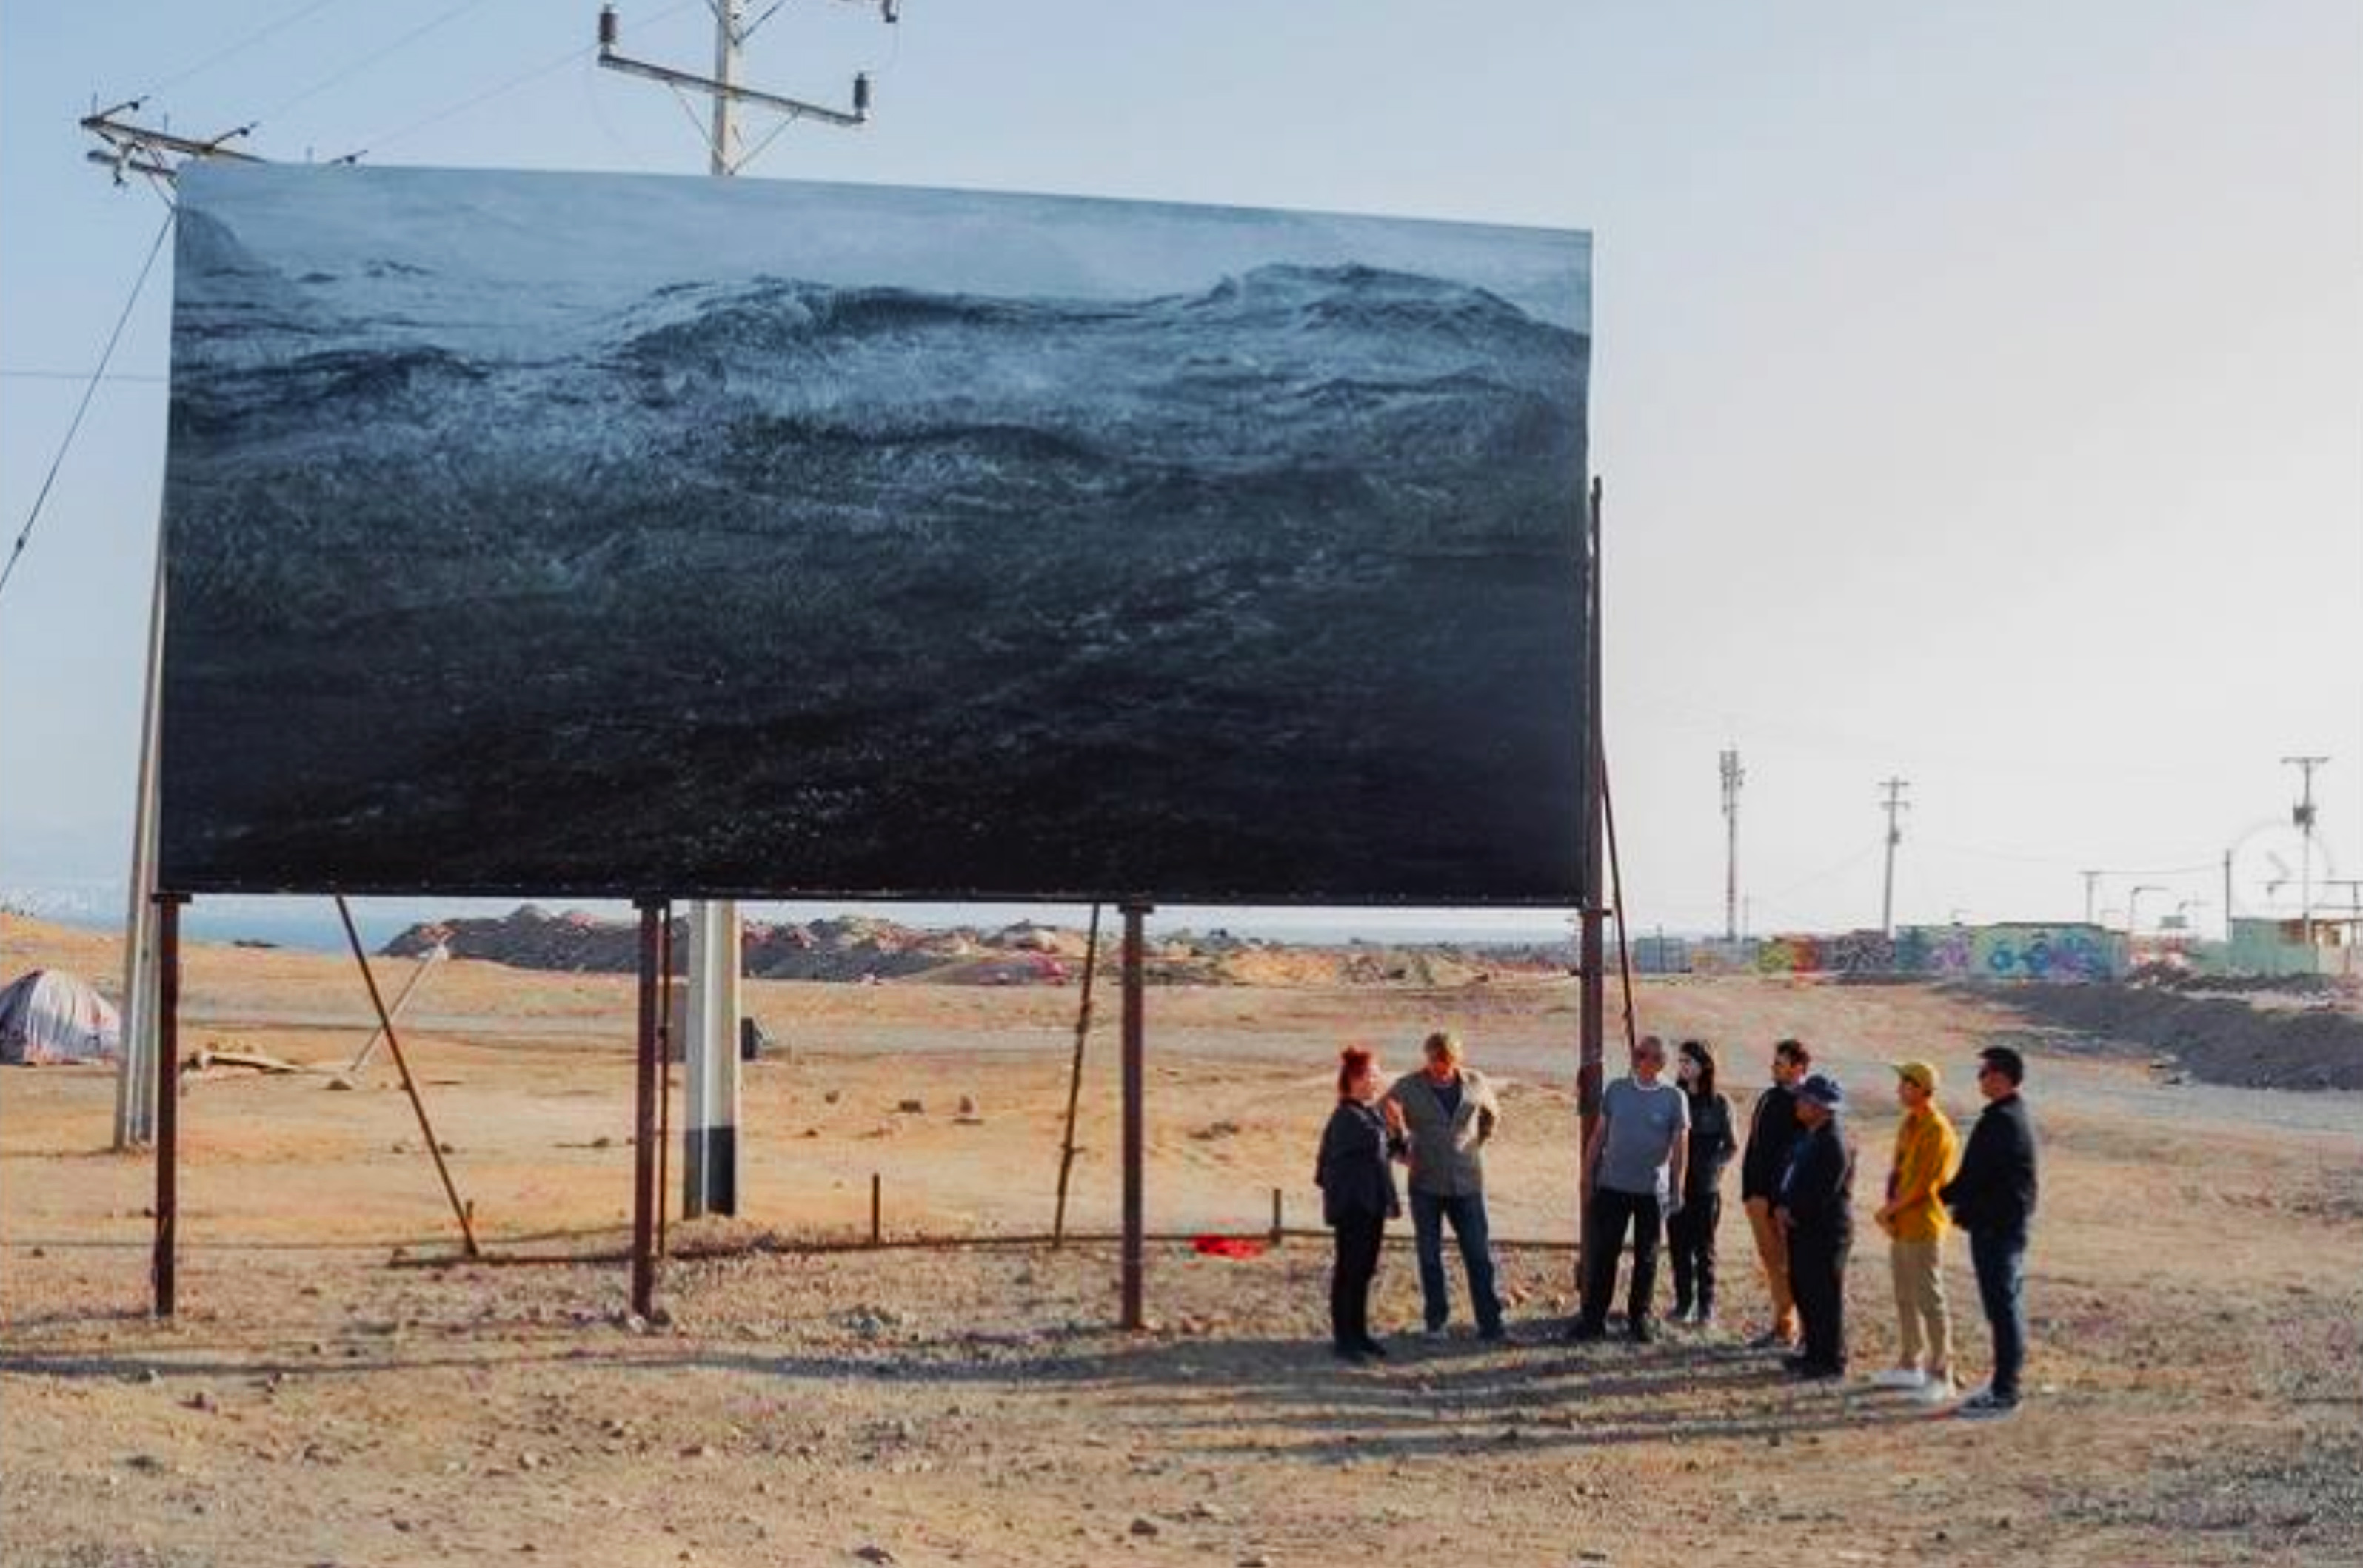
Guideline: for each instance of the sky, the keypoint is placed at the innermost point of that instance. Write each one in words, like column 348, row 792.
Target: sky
column 1978, row 392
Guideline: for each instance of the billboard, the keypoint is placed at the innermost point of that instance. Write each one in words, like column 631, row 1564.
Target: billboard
column 537, row 533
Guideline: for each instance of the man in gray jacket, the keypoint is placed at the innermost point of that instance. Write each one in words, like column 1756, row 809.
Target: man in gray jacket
column 1450, row 1112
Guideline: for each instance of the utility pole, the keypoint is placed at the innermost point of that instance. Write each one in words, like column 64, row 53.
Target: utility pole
column 2302, row 815
column 2133, row 909
column 1734, row 775
column 1891, row 803
column 709, row 1155
column 126, row 148
column 2227, row 900
column 2091, row 891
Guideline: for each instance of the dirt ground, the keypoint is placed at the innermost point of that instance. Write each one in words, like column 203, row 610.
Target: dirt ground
column 336, row 1390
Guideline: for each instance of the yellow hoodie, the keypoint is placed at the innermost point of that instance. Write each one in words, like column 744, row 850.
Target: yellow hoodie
column 1925, row 1149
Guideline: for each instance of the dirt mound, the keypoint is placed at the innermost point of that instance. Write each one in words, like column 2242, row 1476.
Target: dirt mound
column 2219, row 1039
column 855, row 948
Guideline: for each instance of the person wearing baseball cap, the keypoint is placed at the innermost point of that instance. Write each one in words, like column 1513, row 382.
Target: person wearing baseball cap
column 1816, row 1209
column 1913, row 1217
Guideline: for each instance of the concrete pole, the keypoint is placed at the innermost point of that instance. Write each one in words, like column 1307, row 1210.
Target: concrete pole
column 135, row 1080
column 709, row 1132
column 709, row 1150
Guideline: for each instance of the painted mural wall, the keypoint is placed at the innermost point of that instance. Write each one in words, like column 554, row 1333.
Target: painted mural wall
column 2013, row 952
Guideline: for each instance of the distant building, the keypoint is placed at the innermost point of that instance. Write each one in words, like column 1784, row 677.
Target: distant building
column 2278, row 946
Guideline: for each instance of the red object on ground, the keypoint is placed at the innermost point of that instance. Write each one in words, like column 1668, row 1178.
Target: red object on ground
column 1228, row 1247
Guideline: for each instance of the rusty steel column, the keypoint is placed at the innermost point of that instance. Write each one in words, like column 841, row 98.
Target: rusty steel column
column 1134, row 1078
column 167, row 1102
column 644, row 1149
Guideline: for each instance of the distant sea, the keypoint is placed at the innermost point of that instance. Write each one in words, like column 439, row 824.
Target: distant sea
column 310, row 922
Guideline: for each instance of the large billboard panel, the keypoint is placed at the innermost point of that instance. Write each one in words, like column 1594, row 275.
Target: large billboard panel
column 614, row 536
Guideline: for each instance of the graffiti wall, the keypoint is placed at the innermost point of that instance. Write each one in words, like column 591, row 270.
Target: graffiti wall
column 2043, row 953
column 2014, row 952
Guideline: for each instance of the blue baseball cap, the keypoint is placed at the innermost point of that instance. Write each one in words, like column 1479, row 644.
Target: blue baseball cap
column 1824, row 1091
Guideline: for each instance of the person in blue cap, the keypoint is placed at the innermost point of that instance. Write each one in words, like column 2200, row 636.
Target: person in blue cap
column 1815, row 1206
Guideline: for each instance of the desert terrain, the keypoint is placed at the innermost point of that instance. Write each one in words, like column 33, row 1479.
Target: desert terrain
column 342, row 1387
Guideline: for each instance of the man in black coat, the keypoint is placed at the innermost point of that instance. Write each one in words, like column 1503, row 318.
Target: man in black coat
column 1772, row 1131
column 1816, row 1209
column 1993, row 1197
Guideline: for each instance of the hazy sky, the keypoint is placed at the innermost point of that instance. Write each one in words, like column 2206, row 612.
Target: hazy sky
column 1979, row 390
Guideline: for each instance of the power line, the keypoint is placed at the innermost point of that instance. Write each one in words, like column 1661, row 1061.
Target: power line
column 24, row 535
column 477, row 100
column 14, row 375
column 267, row 31
column 348, row 72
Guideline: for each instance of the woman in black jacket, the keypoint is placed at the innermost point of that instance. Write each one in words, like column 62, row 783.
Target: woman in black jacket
column 1690, row 1230
column 1358, row 1197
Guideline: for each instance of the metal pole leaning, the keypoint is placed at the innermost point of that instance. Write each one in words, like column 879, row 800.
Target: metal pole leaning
column 409, row 1083
column 162, row 1268
column 1135, row 1075
column 435, row 955
column 1616, row 895
column 1075, row 1079
column 644, row 1151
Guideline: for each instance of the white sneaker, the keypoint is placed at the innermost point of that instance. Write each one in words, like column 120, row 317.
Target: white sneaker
column 1906, row 1377
column 1936, row 1390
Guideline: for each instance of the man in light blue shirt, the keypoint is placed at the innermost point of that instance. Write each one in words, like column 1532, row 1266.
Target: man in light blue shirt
column 1632, row 1176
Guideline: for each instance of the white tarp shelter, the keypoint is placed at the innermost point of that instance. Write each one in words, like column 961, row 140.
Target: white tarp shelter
column 52, row 1016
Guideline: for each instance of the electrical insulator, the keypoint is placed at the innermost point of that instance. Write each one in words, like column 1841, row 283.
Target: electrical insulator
column 608, row 27
column 891, row 10
column 862, row 93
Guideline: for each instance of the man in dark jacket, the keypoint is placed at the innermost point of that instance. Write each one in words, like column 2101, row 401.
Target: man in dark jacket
column 1993, row 1197
column 1816, row 1209
column 1771, row 1134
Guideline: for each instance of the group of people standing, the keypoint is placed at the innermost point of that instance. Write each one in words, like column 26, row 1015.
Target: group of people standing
column 1655, row 1167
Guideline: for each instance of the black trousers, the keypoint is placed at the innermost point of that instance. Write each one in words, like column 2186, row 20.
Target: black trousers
column 1691, row 1235
column 1603, row 1239
column 1817, row 1273
column 1359, row 1238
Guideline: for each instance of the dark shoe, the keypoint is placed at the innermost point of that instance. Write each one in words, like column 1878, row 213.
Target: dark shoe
column 1986, row 1406
column 1643, row 1330
column 1770, row 1339
column 1353, row 1355
column 1682, row 1313
column 1584, row 1332
column 1805, row 1371
column 1372, row 1348
column 1494, row 1333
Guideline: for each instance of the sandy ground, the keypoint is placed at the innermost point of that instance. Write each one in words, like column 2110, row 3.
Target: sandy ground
column 332, row 1393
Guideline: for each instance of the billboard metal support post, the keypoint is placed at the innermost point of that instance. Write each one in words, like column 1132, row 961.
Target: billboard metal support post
column 167, row 1102
column 644, row 1151
column 1133, row 1076
column 665, row 1038
column 1592, row 1012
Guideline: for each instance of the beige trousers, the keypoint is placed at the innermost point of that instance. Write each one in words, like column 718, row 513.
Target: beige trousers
column 1926, row 1321
column 1773, row 1251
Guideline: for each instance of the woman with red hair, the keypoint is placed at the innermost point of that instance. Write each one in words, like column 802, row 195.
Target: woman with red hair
column 1358, row 1197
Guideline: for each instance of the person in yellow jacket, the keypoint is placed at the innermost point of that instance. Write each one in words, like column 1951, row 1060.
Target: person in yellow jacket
column 1925, row 1151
